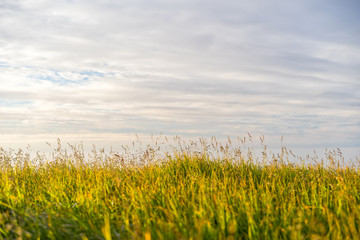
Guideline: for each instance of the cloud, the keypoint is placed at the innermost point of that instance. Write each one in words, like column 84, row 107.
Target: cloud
column 194, row 68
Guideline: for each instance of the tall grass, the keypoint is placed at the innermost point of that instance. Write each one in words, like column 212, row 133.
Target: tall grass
column 183, row 194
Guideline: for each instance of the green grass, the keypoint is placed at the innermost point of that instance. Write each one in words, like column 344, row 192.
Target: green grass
column 189, row 195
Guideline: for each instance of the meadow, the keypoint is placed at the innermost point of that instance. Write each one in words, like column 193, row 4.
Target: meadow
column 196, row 190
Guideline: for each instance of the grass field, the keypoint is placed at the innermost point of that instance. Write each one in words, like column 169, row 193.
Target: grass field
column 187, row 194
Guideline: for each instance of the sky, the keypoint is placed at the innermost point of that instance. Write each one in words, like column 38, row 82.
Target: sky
column 103, row 71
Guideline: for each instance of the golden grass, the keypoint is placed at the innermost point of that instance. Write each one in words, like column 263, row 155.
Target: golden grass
column 184, row 194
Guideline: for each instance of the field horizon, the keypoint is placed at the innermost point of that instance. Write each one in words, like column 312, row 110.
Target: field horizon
column 257, row 144
column 87, row 86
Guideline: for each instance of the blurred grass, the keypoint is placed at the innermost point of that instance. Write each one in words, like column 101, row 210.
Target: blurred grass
column 185, row 194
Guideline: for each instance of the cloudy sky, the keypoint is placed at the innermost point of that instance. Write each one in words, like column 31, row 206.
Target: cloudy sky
column 105, row 70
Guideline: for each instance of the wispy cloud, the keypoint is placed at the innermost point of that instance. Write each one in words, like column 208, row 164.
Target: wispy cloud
column 193, row 68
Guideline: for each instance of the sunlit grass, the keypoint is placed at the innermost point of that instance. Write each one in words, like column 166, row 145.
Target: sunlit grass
column 184, row 194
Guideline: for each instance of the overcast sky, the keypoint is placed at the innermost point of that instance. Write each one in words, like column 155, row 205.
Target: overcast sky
column 109, row 69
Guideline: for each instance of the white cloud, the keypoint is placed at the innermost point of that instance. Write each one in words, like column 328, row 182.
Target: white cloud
column 197, row 68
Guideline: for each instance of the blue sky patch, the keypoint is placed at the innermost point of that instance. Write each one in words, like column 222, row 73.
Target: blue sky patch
column 13, row 103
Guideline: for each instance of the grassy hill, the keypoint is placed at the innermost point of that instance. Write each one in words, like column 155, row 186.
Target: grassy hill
column 187, row 195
